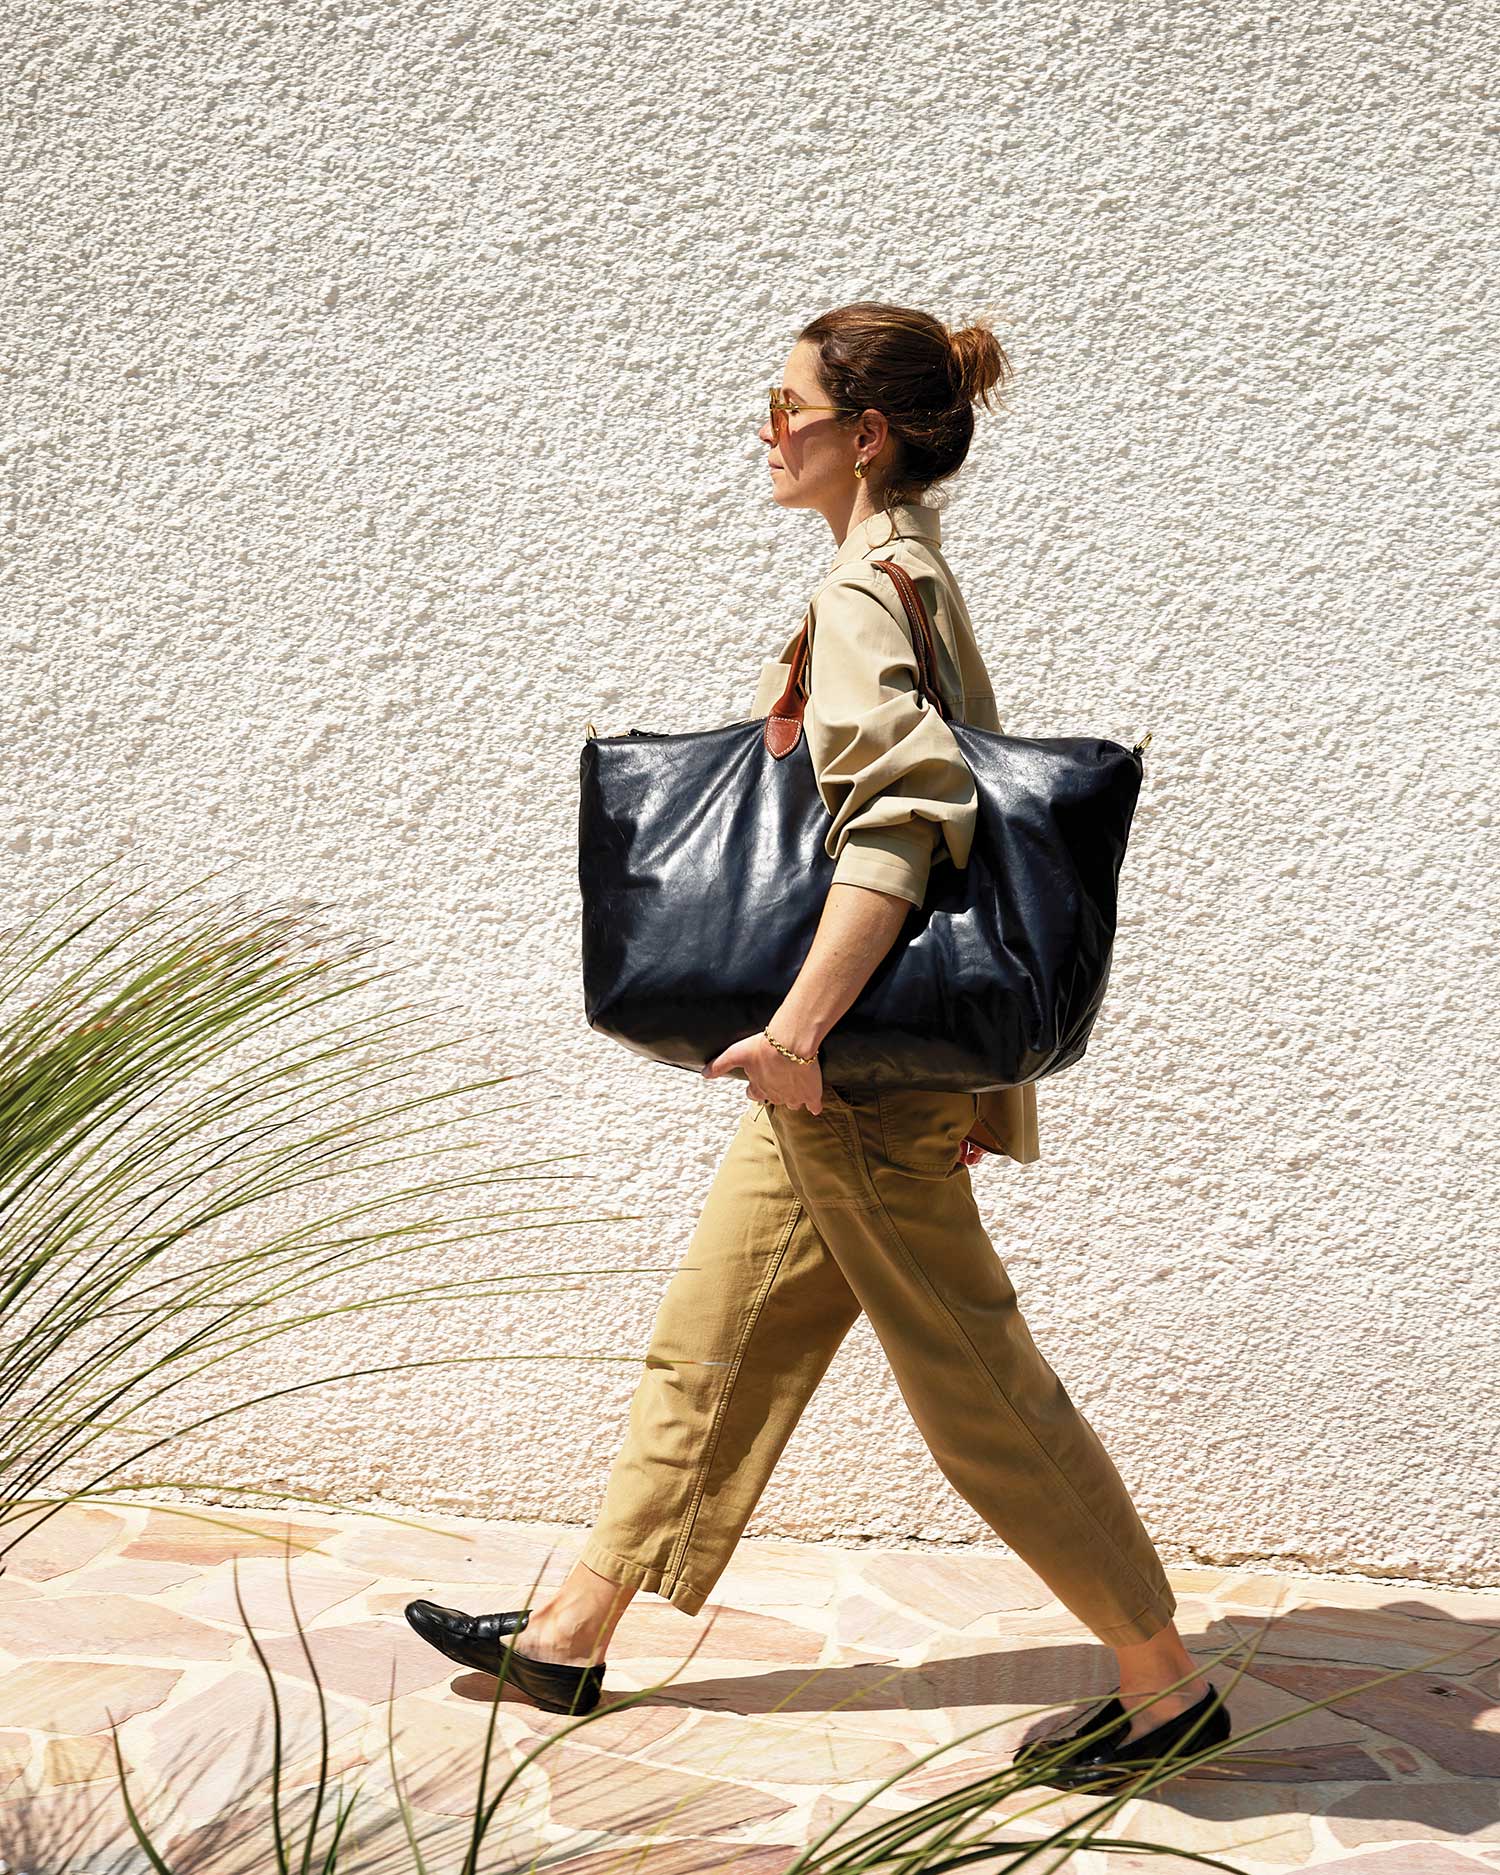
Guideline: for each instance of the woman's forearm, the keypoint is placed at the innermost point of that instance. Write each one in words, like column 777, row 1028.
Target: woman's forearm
column 857, row 928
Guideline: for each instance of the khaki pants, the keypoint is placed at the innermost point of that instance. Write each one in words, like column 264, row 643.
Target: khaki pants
column 810, row 1219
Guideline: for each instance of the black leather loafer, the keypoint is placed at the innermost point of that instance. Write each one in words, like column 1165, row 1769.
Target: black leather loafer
column 1110, row 1760
column 480, row 1641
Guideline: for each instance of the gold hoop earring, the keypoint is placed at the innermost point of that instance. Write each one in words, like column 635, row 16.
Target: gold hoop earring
column 859, row 470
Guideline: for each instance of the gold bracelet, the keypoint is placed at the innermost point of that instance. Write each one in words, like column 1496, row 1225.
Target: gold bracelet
column 805, row 1061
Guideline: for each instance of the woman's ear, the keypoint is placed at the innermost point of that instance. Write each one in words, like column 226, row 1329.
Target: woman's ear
column 872, row 432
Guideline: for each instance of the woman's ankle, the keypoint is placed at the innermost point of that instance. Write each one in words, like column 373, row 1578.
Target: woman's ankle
column 575, row 1626
column 1182, row 1688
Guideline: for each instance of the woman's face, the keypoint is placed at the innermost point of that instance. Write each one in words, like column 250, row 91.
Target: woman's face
column 813, row 465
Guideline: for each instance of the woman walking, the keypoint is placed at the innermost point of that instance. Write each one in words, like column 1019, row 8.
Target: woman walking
column 831, row 1202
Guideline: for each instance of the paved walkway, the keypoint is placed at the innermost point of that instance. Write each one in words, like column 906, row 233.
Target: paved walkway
column 819, row 1673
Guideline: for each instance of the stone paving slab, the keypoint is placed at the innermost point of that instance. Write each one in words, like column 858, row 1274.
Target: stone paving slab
column 818, row 1679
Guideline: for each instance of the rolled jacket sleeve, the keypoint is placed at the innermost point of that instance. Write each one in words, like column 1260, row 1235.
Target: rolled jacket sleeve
column 888, row 768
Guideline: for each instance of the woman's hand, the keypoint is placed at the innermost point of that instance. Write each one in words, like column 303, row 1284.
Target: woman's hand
column 772, row 1077
column 857, row 927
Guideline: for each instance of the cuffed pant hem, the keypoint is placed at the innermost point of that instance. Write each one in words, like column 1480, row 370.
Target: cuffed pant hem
column 652, row 1581
column 1148, row 1623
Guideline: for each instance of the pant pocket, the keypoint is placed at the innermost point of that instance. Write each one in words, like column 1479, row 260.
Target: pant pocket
column 921, row 1130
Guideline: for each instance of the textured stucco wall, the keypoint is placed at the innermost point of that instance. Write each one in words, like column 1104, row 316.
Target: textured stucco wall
column 380, row 386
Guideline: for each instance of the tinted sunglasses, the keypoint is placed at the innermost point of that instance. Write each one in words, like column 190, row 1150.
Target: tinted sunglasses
column 784, row 408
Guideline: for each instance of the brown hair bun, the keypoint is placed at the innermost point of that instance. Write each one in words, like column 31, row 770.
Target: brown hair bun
column 978, row 362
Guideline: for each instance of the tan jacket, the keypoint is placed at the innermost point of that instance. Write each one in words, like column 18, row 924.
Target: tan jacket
column 898, row 792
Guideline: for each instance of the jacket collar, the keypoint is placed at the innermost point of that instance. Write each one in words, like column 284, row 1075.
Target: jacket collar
column 875, row 532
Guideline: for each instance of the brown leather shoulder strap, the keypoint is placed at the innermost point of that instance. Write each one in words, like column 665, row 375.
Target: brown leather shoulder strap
column 783, row 730
column 921, row 633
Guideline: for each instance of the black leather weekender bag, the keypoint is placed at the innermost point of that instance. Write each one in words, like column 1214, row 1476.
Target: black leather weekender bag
column 703, row 875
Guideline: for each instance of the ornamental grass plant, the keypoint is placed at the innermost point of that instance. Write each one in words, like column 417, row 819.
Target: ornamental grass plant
column 202, row 1133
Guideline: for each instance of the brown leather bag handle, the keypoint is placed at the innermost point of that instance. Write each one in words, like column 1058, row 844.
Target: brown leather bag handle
column 784, row 722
